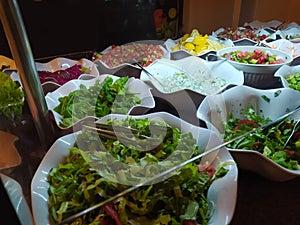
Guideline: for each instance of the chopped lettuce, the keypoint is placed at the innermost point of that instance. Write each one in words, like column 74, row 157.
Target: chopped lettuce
column 76, row 185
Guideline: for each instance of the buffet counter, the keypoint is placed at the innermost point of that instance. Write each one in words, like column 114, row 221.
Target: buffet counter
column 259, row 200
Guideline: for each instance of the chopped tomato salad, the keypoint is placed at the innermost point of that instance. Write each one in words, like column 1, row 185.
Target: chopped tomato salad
column 253, row 57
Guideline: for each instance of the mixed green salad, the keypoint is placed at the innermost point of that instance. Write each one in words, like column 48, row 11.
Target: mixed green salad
column 11, row 97
column 97, row 100
column 293, row 81
column 270, row 141
column 179, row 199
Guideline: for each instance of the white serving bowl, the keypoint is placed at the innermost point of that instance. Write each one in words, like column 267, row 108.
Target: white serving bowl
column 142, row 90
column 106, row 69
column 256, row 73
column 187, row 98
column 222, row 192
column 62, row 63
column 257, row 68
column 216, row 109
column 285, row 46
column 202, row 77
column 284, row 72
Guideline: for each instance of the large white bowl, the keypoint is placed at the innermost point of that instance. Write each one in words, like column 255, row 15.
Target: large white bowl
column 187, row 100
column 142, row 90
column 105, row 69
column 222, row 193
column 216, row 109
column 198, row 71
column 257, row 68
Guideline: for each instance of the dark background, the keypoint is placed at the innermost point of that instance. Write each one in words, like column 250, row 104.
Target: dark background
column 56, row 27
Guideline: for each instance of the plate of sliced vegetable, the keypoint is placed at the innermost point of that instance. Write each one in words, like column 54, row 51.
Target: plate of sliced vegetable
column 97, row 97
column 208, row 185
column 268, row 152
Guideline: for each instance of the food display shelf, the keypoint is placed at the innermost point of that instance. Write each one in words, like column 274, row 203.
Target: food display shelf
column 259, row 201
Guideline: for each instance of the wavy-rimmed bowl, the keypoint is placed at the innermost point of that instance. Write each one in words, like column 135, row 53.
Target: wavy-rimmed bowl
column 285, row 46
column 129, row 58
column 223, row 192
column 142, row 90
column 200, row 74
column 62, row 63
column 286, row 71
column 170, row 44
column 216, row 109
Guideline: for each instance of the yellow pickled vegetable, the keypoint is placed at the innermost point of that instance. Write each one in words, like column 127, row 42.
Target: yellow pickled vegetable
column 200, row 40
column 189, row 46
column 196, row 44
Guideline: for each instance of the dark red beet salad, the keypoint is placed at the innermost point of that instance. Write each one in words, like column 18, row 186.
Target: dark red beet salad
column 60, row 77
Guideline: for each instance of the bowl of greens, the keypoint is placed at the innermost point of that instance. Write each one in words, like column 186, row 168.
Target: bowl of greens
column 208, row 184
column 271, row 151
column 289, row 76
column 78, row 99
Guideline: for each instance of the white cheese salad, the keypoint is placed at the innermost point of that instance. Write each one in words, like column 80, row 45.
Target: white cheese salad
column 199, row 82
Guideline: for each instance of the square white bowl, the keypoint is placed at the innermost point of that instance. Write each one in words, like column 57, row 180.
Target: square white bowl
column 216, row 109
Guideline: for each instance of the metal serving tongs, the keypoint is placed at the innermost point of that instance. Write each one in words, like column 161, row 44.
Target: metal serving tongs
column 134, row 137
column 150, row 75
column 172, row 169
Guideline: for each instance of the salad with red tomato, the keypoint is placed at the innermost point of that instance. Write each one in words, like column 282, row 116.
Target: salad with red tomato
column 269, row 142
column 253, row 57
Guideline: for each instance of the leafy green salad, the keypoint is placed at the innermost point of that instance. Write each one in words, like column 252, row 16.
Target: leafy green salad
column 11, row 97
column 97, row 100
column 293, row 81
column 270, row 141
column 179, row 199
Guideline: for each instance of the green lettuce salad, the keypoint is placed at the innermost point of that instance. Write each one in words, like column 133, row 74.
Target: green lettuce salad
column 179, row 199
column 97, row 100
column 11, row 97
column 270, row 141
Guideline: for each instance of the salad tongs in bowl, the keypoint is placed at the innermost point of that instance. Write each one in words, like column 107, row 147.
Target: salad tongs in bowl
column 176, row 167
column 154, row 137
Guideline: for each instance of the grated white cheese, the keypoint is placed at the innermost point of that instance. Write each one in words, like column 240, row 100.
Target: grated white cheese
column 202, row 83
